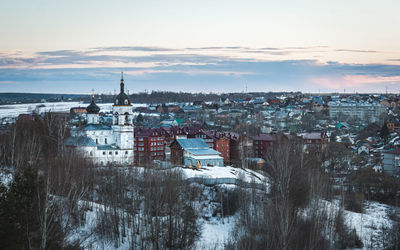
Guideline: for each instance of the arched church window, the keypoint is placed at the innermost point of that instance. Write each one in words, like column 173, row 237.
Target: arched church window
column 116, row 118
column 126, row 101
column 116, row 101
column 126, row 118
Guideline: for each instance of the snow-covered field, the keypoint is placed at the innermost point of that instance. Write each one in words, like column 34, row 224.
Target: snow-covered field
column 14, row 110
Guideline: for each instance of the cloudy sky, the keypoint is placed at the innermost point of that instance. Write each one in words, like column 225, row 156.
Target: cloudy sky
column 199, row 46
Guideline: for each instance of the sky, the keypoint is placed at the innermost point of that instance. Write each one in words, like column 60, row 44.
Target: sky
column 62, row 46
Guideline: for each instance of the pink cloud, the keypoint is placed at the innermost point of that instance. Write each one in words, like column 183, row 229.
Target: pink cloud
column 353, row 81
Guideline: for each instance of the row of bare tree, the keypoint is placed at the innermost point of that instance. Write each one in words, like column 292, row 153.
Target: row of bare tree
column 296, row 212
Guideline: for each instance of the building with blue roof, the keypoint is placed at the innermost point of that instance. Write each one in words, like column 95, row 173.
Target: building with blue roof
column 194, row 152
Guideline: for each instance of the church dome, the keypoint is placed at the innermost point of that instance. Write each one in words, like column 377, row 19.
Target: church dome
column 93, row 108
column 122, row 99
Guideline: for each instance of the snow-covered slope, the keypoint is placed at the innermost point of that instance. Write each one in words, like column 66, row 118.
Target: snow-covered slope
column 372, row 225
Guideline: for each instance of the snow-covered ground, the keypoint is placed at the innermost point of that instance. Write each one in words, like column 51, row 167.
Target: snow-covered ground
column 6, row 176
column 215, row 232
column 13, row 110
column 372, row 225
column 246, row 175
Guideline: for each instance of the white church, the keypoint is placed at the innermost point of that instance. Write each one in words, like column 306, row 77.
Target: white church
column 105, row 144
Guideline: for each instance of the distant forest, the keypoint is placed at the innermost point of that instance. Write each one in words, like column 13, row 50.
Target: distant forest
column 153, row 97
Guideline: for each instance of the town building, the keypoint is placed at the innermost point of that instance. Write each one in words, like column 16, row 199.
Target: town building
column 315, row 141
column 391, row 161
column 261, row 143
column 227, row 143
column 194, row 152
column 149, row 145
column 364, row 111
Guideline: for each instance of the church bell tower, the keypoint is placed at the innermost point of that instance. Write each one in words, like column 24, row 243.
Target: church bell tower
column 123, row 122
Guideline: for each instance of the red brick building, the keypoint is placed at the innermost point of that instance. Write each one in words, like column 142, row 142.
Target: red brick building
column 316, row 140
column 222, row 146
column 149, row 145
column 261, row 143
column 234, row 145
column 227, row 143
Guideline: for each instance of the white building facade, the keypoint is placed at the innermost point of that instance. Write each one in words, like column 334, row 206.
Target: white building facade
column 365, row 111
column 105, row 144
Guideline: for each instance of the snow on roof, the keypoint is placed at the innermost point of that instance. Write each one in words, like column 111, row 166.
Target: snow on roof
column 265, row 137
column 96, row 127
column 80, row 141
column 395, row 151
column 192, row 143
column 205, row 157
column 312, row 136
column 206, row 151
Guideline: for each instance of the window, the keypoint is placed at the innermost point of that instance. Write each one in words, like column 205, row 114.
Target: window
column 140, row 144
column 116, row 152
column 97, row 141
column 116, row 119
column 126, row 152
column 105, row 140
column 110, row 153
column 140, row 138
column 91, row 153
column 104, row 153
